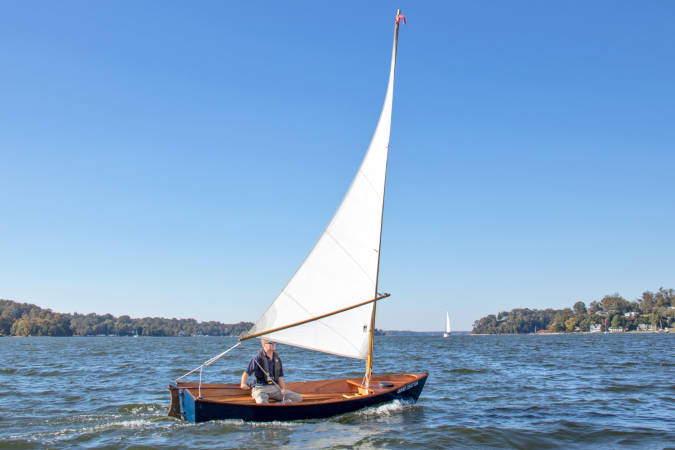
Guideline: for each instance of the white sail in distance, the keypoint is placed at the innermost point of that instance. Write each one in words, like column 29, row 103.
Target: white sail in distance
column 341, row 269
column 447, row 323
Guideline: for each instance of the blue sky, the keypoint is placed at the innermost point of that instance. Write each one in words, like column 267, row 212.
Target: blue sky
column 179, row 160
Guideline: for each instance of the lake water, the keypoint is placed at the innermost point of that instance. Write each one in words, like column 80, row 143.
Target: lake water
column 600, row 391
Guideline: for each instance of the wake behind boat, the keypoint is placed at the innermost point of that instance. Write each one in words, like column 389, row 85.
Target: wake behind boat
column 328, row 306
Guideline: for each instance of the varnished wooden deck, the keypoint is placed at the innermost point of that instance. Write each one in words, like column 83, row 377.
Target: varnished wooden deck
column 313, row 392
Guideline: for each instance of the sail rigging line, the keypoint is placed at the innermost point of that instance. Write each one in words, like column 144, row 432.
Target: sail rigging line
column 313, row 319
column 200, row 381
column 208, row 363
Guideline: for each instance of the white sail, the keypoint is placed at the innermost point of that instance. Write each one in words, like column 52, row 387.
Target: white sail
column 341, row 269
column 447, row 323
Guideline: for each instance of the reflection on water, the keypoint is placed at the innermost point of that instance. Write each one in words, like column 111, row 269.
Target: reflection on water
column 483, row 391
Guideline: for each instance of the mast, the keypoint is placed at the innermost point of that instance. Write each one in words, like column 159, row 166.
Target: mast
column 371, row 333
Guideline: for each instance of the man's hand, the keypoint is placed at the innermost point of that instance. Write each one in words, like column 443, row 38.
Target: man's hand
column 243, row 383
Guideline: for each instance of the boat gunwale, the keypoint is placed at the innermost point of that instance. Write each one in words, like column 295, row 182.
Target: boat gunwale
column 338, row 396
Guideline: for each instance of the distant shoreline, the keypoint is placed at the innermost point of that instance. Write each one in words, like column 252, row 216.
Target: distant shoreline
column 386, row 333
column 667, row 331
column 419, row 333
column 25, row 319
column 652, row 312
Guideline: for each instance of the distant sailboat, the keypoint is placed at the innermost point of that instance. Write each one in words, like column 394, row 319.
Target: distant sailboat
column 447, row 325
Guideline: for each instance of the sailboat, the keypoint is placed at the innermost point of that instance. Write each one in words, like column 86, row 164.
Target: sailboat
column 328, row 306
column 447, row 325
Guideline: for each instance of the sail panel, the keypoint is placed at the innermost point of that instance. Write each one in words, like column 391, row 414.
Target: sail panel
column 341, row 269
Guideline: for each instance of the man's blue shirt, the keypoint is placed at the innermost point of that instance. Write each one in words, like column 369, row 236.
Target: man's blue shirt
column 260, row 378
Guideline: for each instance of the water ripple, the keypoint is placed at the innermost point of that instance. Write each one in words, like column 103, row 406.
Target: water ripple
column 483, row 391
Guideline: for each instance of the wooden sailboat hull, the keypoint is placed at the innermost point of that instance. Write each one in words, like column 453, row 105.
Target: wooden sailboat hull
column 321, row 399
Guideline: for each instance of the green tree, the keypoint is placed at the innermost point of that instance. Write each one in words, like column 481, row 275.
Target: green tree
column 558, row 324
column 6, row 322
column 571, row 323
column 485, row 325
column 586, row 321
column 669, row 317
column 647, row 302
column 579, row 308
column 664, row 298
column 615, row 303
column 630, row 323
column 617, row 321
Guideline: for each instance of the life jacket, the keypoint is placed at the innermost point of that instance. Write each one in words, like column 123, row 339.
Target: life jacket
column 262, row 357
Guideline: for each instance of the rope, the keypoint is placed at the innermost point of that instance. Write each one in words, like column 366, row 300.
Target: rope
column 208, row 363
column 365, row 381
column 200, row 382
column 283, row 396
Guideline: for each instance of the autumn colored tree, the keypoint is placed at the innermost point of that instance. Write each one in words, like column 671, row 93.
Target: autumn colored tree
column 579, row 308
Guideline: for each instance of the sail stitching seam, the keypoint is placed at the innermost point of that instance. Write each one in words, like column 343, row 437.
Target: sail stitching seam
column 321, row 321
column 349, row 255
column 372, row 186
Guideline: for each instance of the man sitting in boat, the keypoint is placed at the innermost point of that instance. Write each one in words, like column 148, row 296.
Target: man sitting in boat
column 269, row 376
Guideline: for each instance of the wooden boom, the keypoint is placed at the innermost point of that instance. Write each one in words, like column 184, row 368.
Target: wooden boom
column 254, row 335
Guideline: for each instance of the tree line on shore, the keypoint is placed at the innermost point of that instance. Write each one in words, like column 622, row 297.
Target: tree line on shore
column 24, row 319
column 652, row 311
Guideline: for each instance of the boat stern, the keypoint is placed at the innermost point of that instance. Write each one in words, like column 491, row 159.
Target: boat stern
column 182, row 404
